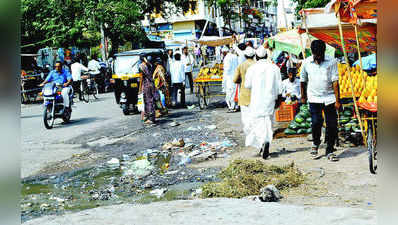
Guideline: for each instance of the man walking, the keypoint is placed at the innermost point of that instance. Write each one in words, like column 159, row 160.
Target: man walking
column 178, row 79
column 230, row 65
column 244, row 95
column 320, row 83
column 76, row 69
column 188, row 61
column 264, row 80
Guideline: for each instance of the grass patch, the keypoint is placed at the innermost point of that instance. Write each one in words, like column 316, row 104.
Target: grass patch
column 246, row 177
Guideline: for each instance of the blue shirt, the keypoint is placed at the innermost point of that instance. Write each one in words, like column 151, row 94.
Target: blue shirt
column 59, row 78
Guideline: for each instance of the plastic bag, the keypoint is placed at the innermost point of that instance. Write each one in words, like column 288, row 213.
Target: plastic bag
column 140, row 103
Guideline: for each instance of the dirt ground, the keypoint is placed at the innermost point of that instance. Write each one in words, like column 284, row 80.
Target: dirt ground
column 346, row 183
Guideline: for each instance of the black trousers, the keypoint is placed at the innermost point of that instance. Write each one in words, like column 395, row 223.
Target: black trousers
column 190, row 79
column 175, row 88
column 76, row 88
column 331, row 124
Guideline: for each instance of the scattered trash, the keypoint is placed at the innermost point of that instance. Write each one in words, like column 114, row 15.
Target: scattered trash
column 185, row 160
column 167, row 146
column 211, row 127
column 113, row 163
column 194, row 128
column 126, row 157
column 173, row 124
column 270, row 194
column 178, row 143
column 197, row 192
column 156, row 135
column 60, row 200
column 139, row 169
column 159, row 192
column 44, row 206
column 191, row 107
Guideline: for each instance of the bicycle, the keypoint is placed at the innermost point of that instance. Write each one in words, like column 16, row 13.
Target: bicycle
column 88, row 87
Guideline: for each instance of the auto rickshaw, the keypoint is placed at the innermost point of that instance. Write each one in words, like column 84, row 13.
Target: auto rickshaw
column 126, row 78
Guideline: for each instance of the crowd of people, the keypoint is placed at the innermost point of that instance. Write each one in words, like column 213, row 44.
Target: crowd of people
column 253, row 85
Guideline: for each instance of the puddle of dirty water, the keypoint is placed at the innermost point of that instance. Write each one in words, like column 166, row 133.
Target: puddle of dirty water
column 104, row 185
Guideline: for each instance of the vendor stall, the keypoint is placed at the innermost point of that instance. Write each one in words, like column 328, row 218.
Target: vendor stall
column 351, row 27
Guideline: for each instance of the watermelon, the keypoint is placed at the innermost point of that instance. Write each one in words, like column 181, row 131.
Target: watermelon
column 307, row 125
column 308, row 120
column 302, row 131
column 347, row 113
column 304, row 107
column 290, row 131
column 344, row 119
column 299, row 119
column 293, row 125
column 309, row 131
column 341, row 129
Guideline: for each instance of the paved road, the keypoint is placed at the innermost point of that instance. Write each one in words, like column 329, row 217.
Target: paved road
column 100, row 121
column 41, row 146
column 214, row 211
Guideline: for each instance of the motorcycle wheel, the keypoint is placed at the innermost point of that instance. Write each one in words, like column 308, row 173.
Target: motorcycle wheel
column 48, row 118
column 125, row 109
column 66, row 116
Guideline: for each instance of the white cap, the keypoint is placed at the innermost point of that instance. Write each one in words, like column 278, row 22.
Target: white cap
column 225, row 49
column 249, row 52
column 261, row 51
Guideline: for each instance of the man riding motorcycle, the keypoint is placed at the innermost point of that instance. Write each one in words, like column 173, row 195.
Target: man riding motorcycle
column 62, row 77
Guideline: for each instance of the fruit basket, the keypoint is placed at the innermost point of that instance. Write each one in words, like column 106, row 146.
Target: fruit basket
column 208, row 84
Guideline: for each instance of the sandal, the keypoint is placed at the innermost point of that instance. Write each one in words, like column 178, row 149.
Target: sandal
column 314, row 150
column 332, row 157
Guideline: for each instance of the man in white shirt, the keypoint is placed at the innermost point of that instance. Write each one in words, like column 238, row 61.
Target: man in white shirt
column 320, row 82
column 264, row 80
column 177, row 70
column 188, row 61
column 240, row 50
column 94, row 66
column 230, row 65
column 291, row 86
column 76, row 69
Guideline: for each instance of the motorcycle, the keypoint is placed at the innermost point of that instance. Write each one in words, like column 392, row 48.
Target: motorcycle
column 54, row 106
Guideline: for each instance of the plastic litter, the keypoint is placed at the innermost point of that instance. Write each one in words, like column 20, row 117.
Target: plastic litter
column 211, row 127
column 113, row 163
column 159, row 192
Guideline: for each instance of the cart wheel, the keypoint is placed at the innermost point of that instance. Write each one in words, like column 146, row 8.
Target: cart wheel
column 371, row 140
column 202, row 97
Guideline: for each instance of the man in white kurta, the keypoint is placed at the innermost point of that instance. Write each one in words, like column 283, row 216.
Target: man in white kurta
column 264, row 80
column 230, row 65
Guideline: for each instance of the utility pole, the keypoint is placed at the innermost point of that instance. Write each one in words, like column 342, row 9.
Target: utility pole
column 103, row 51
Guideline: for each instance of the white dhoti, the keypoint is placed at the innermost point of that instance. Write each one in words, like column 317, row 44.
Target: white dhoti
column 230, row 94
column 245, row 116
column 260, row 131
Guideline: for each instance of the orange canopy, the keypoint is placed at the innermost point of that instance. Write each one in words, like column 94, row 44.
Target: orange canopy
column 352, row 10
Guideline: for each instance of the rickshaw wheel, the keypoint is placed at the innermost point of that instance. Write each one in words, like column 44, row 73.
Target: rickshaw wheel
column 125, row 109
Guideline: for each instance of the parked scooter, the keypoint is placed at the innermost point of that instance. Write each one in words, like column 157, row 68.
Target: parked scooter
column 54, row 106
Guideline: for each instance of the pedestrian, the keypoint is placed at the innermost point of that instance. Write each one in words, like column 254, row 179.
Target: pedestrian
column 197, row 54
column 264, row 80
column 320, row 87
column 76, row 69
column 188, row 61
column 230, row 65
column 159, row 78
column 148, row 88
column 178, row 79
column 244, row 95
column 291, row 86
column 204, row 53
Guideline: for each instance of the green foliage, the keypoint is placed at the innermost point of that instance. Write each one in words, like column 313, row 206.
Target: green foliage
column 305, row 4
column 246, row 177
column 77, row 22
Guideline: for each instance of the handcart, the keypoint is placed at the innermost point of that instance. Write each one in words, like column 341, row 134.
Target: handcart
column 369, row 117
column 29, row 87
column 205, row 89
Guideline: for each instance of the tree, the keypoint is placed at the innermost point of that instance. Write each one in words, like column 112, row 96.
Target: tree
column 77, row 22
column 305, row 4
